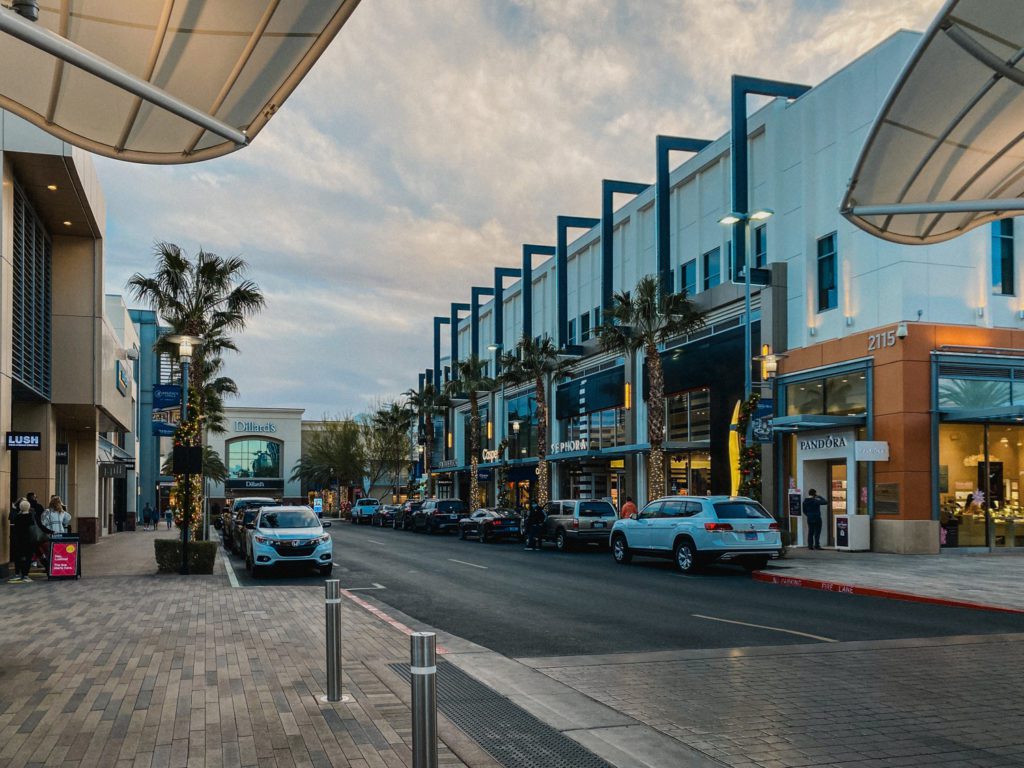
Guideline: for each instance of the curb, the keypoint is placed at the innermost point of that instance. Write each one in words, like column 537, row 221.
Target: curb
column 854, row 589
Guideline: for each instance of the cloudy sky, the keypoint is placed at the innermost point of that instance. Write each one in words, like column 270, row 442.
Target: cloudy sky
column 432, row 140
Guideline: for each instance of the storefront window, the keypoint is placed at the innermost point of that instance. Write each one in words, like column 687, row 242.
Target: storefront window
column 522, row 409
column 689, row 473
column 466, row 421
column 601, row 429
column 254, row 457
column 689, row 416
column 841, row 395
column 979, row 393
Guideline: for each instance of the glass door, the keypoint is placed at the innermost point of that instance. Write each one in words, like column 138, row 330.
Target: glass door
column 837, row 497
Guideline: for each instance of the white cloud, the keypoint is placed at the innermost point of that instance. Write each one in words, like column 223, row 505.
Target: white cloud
column 431, row 140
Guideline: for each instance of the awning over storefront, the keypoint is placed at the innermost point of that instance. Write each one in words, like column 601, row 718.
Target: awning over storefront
column 805, row 422
column 945, row 155
column 161, row 82
column 1009, row 414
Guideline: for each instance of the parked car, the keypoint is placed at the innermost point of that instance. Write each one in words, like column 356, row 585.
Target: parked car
column 288, row 535
column 363, row 509
column 491, row 524
column 438, row 515
column 696, row 530
column 577, row 521
column 403, row 518
column 234, row 523
column 384, row 515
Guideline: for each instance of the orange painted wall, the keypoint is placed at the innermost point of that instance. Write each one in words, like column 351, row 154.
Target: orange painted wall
column 902, row 396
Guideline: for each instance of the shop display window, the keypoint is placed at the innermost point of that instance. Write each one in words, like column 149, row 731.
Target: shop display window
column 689, row 473
column 254, row 457
column 844, row 394
column 522, row 409
column 601, row 429
column 688, row 416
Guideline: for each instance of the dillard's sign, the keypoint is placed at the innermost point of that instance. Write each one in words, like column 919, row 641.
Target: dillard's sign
column 254, row 426
column 568, row 446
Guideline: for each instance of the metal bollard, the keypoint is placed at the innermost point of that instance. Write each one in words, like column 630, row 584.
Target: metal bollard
column 423, row 669
column 333, row 613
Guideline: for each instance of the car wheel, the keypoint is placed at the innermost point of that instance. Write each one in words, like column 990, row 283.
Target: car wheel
column 685, row 556
column 562, row 542
column 462, row 532
column 481, row 536
column 620, row 550
column 755, row 564
column 325, row 570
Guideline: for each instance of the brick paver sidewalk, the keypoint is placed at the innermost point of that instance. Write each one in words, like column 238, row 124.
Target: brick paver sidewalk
column 127, row 668
column 988, row 579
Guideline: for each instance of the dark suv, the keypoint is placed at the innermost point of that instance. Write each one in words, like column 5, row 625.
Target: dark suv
column 439, row 515
column 404, row 515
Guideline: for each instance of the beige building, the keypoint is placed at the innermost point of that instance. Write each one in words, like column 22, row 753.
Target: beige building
column 67, row 398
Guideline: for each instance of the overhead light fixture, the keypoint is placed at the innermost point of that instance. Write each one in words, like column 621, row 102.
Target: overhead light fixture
column 493, row 347
column 730, row 218
column 762, row 215
column 67, row 223
column 52, row 187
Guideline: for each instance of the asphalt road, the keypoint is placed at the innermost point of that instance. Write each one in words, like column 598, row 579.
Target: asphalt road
column 549, row 603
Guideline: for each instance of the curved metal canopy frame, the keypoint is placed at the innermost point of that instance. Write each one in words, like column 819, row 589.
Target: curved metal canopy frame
column 161, row 81
column 946, row 153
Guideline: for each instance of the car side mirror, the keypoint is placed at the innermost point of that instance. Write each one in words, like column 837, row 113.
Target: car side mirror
column 633, row 517
column 327, row 524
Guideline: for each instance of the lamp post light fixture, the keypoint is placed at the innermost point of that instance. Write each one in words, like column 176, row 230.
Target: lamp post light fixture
column 186, row 348
column 744, row 219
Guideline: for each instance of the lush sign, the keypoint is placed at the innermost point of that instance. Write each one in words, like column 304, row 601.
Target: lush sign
column 24, row 441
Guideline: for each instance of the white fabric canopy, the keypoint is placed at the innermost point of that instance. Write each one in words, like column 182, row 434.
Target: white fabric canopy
column 945, row 154
column 233, row 60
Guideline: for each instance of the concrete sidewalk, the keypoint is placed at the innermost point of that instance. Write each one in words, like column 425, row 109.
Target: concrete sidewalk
column 983, row 579
column 127, row 668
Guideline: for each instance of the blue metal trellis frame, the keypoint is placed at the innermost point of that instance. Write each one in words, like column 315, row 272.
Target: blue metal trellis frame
column 564, row 224
column 529, row 251
column 500, row 273
column 609, row 187
column 474, row 317
column 438, row 322
column 662, row 231
column 454, row 319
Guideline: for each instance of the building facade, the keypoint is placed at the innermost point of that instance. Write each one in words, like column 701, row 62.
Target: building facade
column 897, row 366
column 259, row 448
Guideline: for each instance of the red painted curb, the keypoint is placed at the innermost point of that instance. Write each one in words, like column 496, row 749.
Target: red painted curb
column 853, row 589
column 439, row 649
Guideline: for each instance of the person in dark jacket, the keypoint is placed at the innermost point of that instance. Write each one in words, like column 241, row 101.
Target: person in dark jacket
column 40, row 535
column 21, row 541
column 534, row 522
column 812, row 511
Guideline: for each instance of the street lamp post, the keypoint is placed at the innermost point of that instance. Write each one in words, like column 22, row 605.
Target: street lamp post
column 186, row 347
column 745, row 219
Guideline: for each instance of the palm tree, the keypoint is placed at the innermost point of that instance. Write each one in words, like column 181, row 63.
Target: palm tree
column 428, row 403
column 395, row 421
column 642, row 320
column 334, row 454
column 534, row 362
column 469, row 379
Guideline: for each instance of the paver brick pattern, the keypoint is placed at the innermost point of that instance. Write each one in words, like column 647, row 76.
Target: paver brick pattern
column 170, row 671
column 925, row 703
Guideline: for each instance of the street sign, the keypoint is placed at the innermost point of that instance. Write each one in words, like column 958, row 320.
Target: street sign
column 318, row 505
column 166, row 409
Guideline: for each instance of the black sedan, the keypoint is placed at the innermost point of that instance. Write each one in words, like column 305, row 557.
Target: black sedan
column 384, row 517
column 403, row 517
column 491, row 524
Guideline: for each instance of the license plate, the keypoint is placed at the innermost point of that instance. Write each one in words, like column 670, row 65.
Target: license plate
column 751, row 536
column 598, row 525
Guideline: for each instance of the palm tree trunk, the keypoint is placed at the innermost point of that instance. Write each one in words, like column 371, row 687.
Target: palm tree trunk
column 543, row 481
column 655, row 423
column 474, row 451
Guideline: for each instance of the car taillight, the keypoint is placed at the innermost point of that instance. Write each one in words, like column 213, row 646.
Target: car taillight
column 717, row 527
column 774, row 527
column 575, row 523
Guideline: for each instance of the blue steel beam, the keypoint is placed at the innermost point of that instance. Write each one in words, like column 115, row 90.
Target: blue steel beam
column 438, row 322
column 529, row 251
column 500, row 273
column 663, row 228
column 741, row 88
column 564, row 224
column 454, row 319
column 609, row 188
column 474, row 317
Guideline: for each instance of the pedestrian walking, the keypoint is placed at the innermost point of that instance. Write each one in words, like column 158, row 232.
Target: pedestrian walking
column 56, row 518
column 534, row 523
column 39, row 533
column 150, row 516
column 812, row 512
column 21, row 541
column 170, row 517
column 628, row 508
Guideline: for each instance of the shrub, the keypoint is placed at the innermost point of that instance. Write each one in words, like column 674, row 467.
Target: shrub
column 201, row 555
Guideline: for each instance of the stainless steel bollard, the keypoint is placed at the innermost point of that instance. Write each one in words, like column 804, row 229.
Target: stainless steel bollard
column 333, row 611
column 423, row 668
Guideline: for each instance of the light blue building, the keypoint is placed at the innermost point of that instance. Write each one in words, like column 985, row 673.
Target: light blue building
column 147, row 374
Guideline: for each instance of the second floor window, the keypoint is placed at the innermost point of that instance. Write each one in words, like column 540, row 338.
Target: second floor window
column 1002, row 257
column 585, row 326
column 828, row 293
column 761, row 246
column 712, row 268
column 572, row 331
column 688, row 277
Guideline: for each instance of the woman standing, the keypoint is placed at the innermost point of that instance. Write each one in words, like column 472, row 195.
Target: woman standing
column 56, row 518
column 21, row 541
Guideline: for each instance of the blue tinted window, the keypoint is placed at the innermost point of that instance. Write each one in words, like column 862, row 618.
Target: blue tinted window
column 761, row 246
column 688, row 277
column 828, row 293
column 712, row 268
column 1002, row 257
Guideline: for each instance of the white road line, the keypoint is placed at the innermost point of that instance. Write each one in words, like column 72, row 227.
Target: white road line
column 374, row 541
column 231, row 572
column 463, row 562
column 366, row 589
column 763, row 626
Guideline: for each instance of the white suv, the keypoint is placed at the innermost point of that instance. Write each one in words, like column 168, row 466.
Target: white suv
column 695, row 530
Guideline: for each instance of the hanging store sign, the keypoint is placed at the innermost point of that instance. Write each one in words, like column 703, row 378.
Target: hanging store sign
column 761, row 421
column 24, row 441
column 62, row 454
column 448, row 464
column 871, row 450
column 115, row 469
column 166, row 409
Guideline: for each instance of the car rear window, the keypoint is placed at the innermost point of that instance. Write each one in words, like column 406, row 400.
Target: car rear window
column 367, row 503
column 596, row 509
column 290, row 518
column 740, row 510
column 451, row 507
